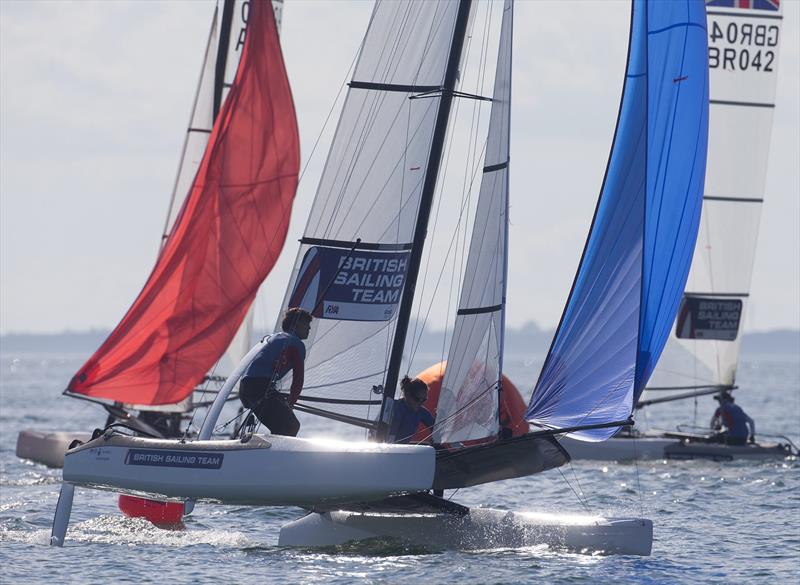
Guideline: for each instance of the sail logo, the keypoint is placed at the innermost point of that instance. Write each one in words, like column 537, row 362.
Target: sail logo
column 742, row 42
column 185, row 459
column 708, row 318
column 357, row 285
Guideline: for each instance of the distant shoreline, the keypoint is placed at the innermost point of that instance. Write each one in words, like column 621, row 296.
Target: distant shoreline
column 526, row 340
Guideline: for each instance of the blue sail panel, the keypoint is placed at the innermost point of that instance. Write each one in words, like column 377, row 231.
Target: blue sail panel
column 677, row 148
column 645, row 218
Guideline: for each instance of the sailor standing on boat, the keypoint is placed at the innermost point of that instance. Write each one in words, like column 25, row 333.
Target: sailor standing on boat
column 734, row 420
column 283, row 352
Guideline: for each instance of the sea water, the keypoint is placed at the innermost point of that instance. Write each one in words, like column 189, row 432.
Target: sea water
column 713, row 521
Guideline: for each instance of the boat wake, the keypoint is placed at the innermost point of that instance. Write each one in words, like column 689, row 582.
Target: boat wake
column 109, row 529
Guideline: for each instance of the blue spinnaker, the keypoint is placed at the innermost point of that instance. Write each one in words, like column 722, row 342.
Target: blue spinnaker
column 637, row 255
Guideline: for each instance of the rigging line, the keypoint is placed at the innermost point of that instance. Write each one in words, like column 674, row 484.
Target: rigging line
column 347, row 141
column 466, row 54
column 580, row 487
column 359, row 191
column 414, row 340
column 415, row 346
column 402, row 203
column 469, row 404
column 472, row 156
column 564, row 477
column 430, row 246
column 330, row 112
column 473, row 137
column 638, row 480
column 388, row 347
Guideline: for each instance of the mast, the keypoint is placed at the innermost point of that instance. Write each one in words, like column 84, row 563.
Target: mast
column 222, row 54
column 506, row 219
column 426, row 201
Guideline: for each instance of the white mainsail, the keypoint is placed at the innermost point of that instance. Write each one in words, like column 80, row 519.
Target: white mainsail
column 703, row 350
column 354, row 254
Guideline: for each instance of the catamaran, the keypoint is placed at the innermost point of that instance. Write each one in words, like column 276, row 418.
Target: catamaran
column 124, row 376
column 702, row 353
column 357, row 270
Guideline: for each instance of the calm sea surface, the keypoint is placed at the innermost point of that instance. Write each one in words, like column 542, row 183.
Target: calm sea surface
column 714, row 522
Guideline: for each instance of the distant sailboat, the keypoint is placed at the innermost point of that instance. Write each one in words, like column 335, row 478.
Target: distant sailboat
column 184, row 320
column 357, row 270
column 702, row 353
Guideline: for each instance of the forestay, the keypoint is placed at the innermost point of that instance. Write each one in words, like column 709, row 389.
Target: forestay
column 703, row 350
column 224, row 241
column 636, row 260
column 468, row 400
column 354, row 255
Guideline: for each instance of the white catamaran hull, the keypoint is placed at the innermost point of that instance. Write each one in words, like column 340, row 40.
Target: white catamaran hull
column 266, row 471
column 666, row 447
column 481, row 528
column 47, row 448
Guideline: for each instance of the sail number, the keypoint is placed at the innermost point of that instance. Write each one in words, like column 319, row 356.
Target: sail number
column 748, row 47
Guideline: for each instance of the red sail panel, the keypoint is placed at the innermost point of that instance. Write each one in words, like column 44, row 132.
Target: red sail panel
column 223, row 245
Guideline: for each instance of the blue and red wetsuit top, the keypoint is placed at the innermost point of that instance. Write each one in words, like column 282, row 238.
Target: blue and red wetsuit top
column 283, row 352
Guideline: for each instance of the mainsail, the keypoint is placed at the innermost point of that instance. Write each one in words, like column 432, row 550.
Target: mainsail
column 224, row 241
column 702, row 353
column 636, row 260
column 359, row 244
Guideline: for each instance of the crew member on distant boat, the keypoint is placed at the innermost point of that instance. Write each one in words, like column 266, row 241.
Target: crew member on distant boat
column 734, row 421
column 408, row 412
column 283, row 351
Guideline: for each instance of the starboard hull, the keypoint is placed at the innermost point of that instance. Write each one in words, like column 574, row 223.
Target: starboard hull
column 481, row 528
column 266, row 471
column 47, row 447
column 664, row 446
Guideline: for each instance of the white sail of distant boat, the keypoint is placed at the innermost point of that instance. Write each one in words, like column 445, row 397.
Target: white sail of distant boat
column 702, row 354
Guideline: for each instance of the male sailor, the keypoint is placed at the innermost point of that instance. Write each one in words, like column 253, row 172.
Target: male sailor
column 734, row 420
column 283, row 352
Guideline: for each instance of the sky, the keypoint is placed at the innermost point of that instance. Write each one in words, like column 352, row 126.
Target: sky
column 95, row 97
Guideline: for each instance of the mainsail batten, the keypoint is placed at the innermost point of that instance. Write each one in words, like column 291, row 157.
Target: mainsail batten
column 637, row 254
column 224, row 242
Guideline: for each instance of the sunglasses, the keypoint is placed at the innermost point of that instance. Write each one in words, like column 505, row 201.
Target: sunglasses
column 420, row 399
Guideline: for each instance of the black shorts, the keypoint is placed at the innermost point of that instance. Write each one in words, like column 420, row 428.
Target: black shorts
column 269, row 406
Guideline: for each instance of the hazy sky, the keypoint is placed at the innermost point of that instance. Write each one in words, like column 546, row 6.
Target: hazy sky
column 95, row 96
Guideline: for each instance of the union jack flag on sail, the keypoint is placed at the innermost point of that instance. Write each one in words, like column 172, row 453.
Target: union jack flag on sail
column 773, row 5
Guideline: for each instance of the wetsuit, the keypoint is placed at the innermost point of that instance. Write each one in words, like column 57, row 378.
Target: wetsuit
column 282, row 353
column 405, row 421
column 736, row 422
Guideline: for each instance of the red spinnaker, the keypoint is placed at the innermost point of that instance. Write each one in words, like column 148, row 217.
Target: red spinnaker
column 224, row 243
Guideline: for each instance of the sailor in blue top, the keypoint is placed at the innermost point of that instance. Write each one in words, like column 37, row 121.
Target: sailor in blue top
column 408, row 412
column 734, row 422
column 283, row 352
